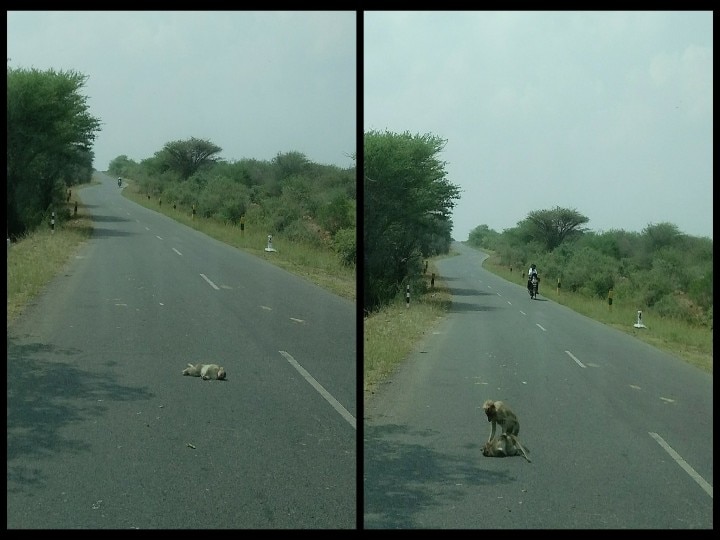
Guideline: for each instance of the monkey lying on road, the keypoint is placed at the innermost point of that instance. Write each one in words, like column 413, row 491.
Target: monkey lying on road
column 499, row 413
column 505, row 446
column 205, row 371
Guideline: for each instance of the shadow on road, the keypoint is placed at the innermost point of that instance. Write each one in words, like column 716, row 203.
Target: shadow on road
column 463, row 307
column 400, row 477
column 108, row 219
column 106, row 233
column 47, row 392
column 468, row 292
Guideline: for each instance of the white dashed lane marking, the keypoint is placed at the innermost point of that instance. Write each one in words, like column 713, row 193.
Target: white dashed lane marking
column 210, row 282
column 578, row 362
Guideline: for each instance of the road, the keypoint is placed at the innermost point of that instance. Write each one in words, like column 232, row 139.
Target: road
column 104, row 431
column 619, row 433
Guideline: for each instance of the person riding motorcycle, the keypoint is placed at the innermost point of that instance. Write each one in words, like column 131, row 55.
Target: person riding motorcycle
column 532, row 272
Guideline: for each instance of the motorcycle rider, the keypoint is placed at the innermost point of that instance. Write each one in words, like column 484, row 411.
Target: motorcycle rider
column 532, row 271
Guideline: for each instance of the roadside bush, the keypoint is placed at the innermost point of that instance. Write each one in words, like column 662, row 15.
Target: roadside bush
column 181, row 194
column 589, row 272
column 345, row 245
column 223, row 199
column 679, row 306
column 309, row 231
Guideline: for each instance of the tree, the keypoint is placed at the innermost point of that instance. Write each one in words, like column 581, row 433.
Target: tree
column 121, row 165
column 552, row 227
column 408, row 200
column 290, row 164
column 186, row 157
column 483, row 236
column 338, row 213
column 49, row 141
column 661, row 235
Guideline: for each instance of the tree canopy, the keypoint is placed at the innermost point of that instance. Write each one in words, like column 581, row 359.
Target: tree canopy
column 49, row 142
column 186, row 157
column 552, row 227
column 408, row 203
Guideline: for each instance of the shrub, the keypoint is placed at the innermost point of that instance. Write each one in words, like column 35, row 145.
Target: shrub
column 306, row 231
column 345, row 244
column 679, row 306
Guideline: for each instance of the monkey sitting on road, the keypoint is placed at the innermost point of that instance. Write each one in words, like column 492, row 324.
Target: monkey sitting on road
column 505, row 445
column 499, row 413
column 205, row 371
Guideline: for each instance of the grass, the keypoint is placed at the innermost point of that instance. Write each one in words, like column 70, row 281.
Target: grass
column 391, row 333
column 321, row 267
column 33, row 261
column 38, row 257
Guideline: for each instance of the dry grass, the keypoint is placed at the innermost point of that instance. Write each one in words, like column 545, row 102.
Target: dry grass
column 36, row 259
column 391, row 333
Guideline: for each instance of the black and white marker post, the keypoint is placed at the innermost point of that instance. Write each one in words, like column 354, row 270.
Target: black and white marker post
column 269, row 244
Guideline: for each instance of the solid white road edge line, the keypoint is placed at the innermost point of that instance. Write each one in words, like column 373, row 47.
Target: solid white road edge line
column 324, row 393
column 680, row 461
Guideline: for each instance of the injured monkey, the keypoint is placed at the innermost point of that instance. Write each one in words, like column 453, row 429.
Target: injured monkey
column 205, row 371
column 506, row 445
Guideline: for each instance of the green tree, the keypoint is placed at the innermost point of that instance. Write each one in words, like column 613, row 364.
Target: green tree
column 338, row 213
column 483, row 236
column 290, row 164
column 121, row 165
column 661, row 235
column 552, row 227
column 49, row 142
column 186, row 157
column 407, row 199
column 223, row 199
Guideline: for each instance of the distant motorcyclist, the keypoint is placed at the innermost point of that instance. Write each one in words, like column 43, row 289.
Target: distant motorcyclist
column 532, row 271
column 119, row 182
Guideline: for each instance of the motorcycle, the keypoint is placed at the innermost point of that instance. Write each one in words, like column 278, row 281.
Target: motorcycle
column 119, row 182
column 533, row 287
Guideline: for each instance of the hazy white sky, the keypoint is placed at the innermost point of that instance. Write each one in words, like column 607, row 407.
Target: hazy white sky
column 254, row 83
column 608, row 113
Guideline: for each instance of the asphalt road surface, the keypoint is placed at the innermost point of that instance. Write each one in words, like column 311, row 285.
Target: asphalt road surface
column 104, row 431
column 620, row 434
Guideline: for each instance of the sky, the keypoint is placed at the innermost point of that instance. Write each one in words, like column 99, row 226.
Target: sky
column 256, row 84
column 606, row 113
